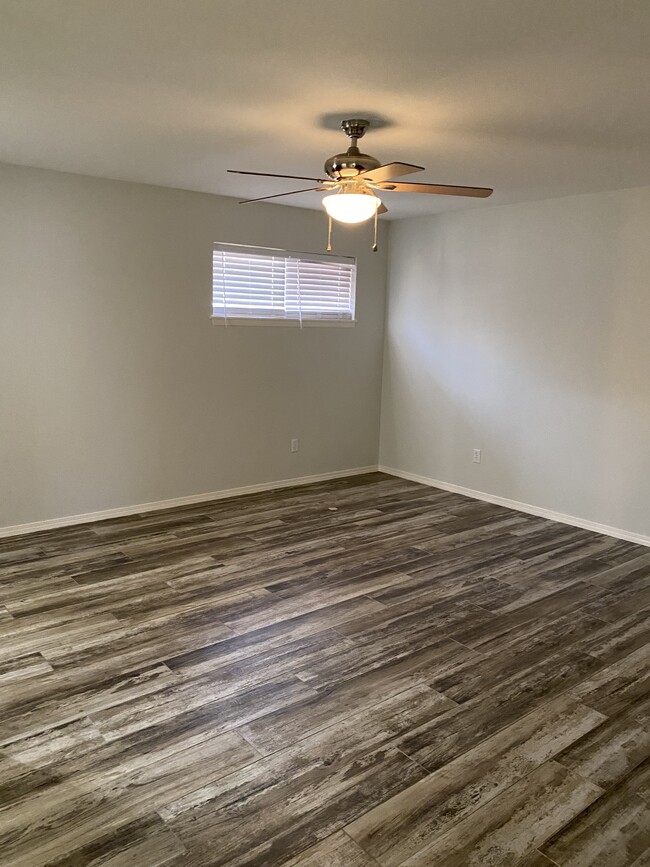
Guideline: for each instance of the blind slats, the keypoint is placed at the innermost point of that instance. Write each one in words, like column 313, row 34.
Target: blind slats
column 255, row 283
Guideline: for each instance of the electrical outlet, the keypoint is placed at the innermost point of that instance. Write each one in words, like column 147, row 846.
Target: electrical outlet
column 295, row 445
column 477, row 456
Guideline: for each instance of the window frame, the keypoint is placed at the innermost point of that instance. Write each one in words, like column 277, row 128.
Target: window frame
column 283, row 321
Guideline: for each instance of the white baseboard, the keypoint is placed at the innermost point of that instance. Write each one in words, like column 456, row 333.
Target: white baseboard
column 141, row 508
column 521, row 507
column 69, row 520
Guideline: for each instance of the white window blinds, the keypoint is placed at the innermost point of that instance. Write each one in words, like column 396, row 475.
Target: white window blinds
column 261, row 283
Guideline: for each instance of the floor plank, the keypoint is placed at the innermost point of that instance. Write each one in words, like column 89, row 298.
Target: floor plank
column 514, row 824
column 408, row 822
column 335, row 851
column 613, row 832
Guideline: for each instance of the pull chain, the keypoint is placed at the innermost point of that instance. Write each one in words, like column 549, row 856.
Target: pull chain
column 329, row 235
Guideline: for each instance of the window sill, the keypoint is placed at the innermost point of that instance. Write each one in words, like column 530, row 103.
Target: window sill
column 293, row 323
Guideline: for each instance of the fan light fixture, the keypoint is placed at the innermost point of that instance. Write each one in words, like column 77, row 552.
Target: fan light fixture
column 351, row 207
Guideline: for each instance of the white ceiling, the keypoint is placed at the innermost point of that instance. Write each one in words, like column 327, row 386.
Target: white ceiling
column 537, row 98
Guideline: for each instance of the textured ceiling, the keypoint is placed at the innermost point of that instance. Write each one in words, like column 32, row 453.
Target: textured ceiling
column 537, row 98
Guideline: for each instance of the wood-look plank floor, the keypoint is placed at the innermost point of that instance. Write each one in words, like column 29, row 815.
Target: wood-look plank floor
column 355, row 673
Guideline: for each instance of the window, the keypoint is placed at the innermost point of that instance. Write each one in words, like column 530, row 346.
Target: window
column 259, row 283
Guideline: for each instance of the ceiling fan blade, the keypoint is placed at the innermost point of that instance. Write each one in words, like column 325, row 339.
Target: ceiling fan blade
column 438, row 189
column 268, row 175
column 290, row 193
column 390, row 170
column 382, row 209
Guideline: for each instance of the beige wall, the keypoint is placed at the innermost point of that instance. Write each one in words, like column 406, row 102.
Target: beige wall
column 116, row 389
column 524, row 330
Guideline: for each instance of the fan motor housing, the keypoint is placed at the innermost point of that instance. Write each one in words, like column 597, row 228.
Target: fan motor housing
column 350, row 164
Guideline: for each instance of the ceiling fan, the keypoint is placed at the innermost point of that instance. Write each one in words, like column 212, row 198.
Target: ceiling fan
column 353, row 180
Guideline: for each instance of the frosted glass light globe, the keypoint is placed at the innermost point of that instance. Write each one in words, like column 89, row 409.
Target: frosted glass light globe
column 351, row 207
